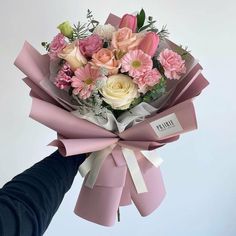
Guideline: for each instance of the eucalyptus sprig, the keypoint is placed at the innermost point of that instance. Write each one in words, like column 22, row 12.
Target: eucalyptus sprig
column 163, row 33
column 46, row 45
column 83, row 30
column 92, row 23
column 185, row 51
column 150, row 26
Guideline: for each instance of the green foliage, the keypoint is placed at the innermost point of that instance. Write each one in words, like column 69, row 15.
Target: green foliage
column 163, row 33
column 157, row 64
column 83, row 30
column 92, row 24
column 70, row 91
column 150, row 26
column 141, row 19
column 183, row 51
column 80, row 31
column 46, row 45
column 156, row 91
column 136, row 101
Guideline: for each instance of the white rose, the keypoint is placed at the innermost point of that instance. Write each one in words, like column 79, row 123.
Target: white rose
column 119, row 91
column 105, row 31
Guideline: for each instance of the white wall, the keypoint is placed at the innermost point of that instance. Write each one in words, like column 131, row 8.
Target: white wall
column 199, row 169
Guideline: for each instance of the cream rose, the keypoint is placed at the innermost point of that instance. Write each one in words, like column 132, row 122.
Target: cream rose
column 73, row 56
column 119, row 91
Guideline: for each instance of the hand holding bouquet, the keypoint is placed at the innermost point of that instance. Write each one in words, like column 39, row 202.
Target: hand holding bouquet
column 117, row 91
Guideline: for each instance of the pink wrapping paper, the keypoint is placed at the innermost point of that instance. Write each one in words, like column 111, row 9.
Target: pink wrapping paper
column 114, row 186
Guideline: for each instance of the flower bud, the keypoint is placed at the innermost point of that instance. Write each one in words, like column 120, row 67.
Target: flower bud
column 150, row 43
column 66, row 29
column 129, row 21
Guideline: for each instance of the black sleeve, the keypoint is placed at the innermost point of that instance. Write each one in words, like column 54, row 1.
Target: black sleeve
column 29, row 201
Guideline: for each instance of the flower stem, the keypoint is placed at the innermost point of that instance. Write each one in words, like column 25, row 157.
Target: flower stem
column 118, row 215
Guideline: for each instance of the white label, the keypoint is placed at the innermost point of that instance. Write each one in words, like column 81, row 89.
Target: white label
column 166, row 126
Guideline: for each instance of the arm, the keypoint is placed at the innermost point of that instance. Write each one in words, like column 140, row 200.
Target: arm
column 29, row 201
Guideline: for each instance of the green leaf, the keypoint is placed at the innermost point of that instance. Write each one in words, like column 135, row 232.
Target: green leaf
column 136, row 101
column 157, row 64
column 141, row 18
column 147, row 26
column 70, row 91
column 89, row 14
column 150, row 18
column 46, row 45
column 153, row 30
column 94, row 22
column 156, row 92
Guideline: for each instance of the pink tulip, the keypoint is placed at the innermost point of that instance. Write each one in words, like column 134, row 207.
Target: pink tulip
column 150, row 43
column 129, row 21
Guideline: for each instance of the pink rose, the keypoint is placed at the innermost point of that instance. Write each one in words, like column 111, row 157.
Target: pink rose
column 56, row 46
column 90, row 45
column 172, row 63
column 148, row 80
column 124, row 39
column 105, row 58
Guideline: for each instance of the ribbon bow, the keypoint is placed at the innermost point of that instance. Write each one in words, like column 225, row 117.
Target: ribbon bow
column 93, row 164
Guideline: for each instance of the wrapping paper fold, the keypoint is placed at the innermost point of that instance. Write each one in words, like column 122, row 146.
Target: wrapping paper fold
column 114, row 185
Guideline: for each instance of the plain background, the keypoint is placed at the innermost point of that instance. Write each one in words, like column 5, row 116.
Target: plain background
column 199, row 170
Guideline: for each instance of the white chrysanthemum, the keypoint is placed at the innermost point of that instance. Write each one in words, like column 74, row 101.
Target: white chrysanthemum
column 105, row 31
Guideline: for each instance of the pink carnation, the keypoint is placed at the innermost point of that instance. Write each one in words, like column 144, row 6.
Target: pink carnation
column 63, row 79
column 136, row 62
column 172, row 63
column 56, row 46
column 84, row 81
column 148, row 80
column 90, row 45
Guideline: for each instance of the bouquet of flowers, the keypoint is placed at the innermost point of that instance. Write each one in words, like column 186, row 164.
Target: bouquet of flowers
column 117, row 91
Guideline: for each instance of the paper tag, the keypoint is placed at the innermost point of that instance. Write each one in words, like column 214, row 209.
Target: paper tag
column 166, row 126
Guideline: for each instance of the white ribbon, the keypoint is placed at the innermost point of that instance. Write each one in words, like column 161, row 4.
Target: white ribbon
column 93, row 164
column 135, row 171
column 152, row 157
